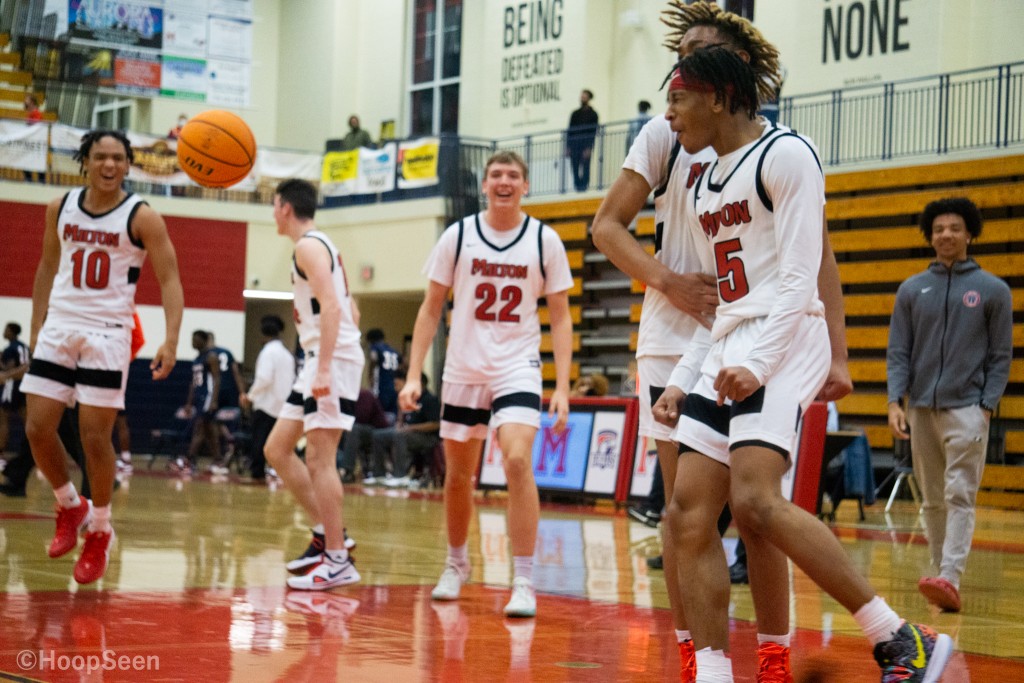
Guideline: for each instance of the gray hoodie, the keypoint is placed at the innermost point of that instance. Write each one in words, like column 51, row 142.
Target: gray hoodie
column 950, row 338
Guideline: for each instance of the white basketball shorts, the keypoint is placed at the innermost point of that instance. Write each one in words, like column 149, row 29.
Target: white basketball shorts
column 770, row 416
column 89, row 366
column 654, row 372
column 468, row 409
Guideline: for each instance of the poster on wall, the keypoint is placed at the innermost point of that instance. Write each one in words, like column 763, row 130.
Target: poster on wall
column 184, row 78
column 137, row 73
column 185, row 33
column 239, row 9
column 113, row 22
column 227, row 83
column 230, row 39
column 88, row 65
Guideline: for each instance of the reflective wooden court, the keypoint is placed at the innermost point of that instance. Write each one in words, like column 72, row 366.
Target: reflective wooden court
column 196, row 592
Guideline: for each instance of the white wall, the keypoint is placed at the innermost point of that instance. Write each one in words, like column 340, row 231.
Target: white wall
column 262, row 112
column 932, row 37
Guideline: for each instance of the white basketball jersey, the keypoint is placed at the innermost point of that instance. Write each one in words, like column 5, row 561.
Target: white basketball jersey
column 307, row 308
column 497, row 278
column 100, row 263
column 758, row 213
column 664, row 329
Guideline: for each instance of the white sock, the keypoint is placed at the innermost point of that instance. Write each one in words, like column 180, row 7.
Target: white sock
column 782, row 640
column 337, row 556
column 877, row 620
column 523, row 566
column 713, row 666
column 459, row 557
column 683, row 636
column 319, row 529
column 67, row 496
column 100, row 519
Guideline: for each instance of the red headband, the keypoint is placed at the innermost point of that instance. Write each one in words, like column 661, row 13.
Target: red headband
column 678, row 82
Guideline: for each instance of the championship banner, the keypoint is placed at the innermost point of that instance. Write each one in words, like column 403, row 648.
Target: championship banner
column 156, row 160
column 23, row 146
column 418, row 163
column 339, row 172
column 131, row 24
column 376, row 170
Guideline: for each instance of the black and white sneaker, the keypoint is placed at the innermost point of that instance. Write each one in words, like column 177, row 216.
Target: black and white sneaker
column 312, row 555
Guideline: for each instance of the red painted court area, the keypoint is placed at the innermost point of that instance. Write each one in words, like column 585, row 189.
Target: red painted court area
column 195, row 592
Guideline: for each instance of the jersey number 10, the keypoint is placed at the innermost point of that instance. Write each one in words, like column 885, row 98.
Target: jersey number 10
column 95, row 266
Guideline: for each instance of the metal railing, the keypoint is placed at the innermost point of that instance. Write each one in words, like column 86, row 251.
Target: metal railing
column 933, row 116
column 958, row 111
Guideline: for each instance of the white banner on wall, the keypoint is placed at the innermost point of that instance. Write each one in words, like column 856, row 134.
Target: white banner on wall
column 23, row 146
column 376, row 170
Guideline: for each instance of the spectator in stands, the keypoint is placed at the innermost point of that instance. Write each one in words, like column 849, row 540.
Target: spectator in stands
column 580, row 140
column 13, row 365
column 643, row 115
column 384, row 362
column 358, row 441
column 356, row 136
column 412, row 439
column 275, row 373
column 175, row 133
column 33, row 115
column 594, row 384
column 948, row 362
column 32, row 112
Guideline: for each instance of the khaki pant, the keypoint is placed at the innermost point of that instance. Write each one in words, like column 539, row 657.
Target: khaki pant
column 949, row 447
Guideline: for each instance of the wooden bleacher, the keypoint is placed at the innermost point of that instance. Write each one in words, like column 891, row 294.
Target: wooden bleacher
column 872, row 219
column 873, row 227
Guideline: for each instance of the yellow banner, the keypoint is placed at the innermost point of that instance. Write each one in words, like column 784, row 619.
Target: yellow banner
column 340, row 167
column 419, row 162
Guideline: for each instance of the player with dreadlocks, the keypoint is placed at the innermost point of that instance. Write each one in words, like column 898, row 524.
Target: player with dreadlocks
column 736, row 397
column 679, row 299
column 83, row 302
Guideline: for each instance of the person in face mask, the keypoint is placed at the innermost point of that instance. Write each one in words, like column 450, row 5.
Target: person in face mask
column 175, row 133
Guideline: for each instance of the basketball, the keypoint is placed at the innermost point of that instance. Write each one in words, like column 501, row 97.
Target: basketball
column 216, row 148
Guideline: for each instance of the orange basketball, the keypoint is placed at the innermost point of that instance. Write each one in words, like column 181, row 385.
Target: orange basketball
column 216, row 148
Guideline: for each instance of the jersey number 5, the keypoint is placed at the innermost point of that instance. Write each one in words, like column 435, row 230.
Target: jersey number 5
column 732, row 278
column 488, row 294
column 95, row 267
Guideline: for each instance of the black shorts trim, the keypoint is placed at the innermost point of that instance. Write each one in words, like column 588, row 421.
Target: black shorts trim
column 707, row 412
column 294, row 398
column 104, row 379
column 52, row 371
column 760, row 444
column 462, row 415
column 520, row 399
column 345, row 405
column 656, row 393
column 751, row 405
column 686, row 448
